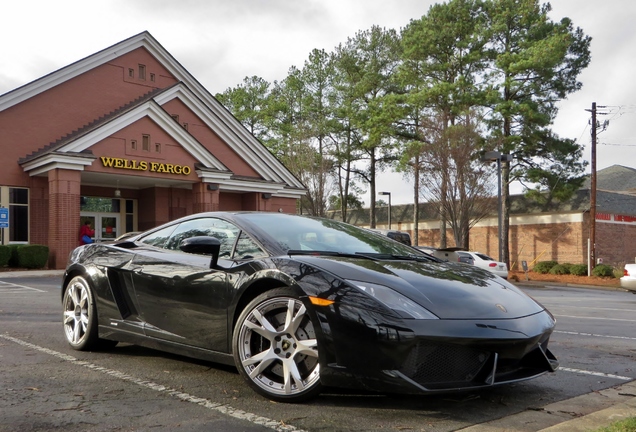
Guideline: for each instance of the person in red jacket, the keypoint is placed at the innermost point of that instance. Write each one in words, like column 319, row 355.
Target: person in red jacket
column 86, row 230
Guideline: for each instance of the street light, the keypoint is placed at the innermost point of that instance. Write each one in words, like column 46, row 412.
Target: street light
column 493, row 156
column 389, row 194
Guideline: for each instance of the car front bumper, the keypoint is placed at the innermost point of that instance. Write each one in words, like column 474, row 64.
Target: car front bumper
column 421, row 356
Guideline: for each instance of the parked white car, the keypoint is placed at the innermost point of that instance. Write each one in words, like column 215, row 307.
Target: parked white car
column 484, row 261
column 628, row 281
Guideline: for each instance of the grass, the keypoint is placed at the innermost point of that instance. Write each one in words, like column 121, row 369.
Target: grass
column 627, row 425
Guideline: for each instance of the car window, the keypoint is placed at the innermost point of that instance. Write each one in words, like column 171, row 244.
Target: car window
column 313, row 234
column 484, row 257
column 220, row 229
column 246, row 248
column 158, row 238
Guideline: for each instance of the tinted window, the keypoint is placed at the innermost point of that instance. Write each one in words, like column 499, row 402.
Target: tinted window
column 484, row 257
column 304, row 233
column 158, row 238
column 246, row 248
column 220, row 229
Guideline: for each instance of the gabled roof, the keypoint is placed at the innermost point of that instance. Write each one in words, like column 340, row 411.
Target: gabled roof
column 189, row 91
column 616, row 178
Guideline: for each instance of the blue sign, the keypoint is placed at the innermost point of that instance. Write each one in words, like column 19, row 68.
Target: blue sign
column 4, row 217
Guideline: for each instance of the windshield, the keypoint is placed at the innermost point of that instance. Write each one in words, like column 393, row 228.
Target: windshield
column 299, row 233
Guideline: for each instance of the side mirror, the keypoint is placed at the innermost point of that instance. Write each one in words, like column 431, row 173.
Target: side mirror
column 202, row 245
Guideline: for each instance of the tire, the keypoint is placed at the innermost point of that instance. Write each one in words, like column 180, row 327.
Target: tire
column 80, row 317
column 275, row 347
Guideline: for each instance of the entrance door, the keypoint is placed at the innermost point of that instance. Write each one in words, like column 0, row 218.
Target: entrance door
column 106, row 225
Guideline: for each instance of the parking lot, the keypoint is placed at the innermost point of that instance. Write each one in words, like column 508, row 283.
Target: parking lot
column 45, row 385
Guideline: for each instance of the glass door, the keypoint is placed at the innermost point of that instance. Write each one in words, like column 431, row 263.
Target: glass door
column 106, row 225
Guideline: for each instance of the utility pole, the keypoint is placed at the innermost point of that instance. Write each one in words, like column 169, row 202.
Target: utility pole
column 593, row 195
column 594, row 132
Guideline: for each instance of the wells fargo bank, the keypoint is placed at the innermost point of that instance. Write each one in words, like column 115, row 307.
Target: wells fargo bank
column 127, row 139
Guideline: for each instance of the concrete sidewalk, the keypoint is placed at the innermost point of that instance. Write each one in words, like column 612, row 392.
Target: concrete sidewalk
column 578, row 414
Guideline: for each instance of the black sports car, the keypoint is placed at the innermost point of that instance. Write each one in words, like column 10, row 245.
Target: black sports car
column 298, row 303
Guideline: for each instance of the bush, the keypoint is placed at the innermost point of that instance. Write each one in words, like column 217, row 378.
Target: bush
column 578, row 269
column 544, row 267
column 5, row 255
column 32, row 256
column 603, row 270
column 560, row 269
column 13, row 259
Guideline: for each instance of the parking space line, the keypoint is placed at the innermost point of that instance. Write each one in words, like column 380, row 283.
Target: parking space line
column 580, row 371
column 593, row 318
column 7, row 287
column 206, row 403
column 594, row 335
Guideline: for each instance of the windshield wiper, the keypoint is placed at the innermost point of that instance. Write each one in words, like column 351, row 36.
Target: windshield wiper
column 368, row 255
column 333, row 253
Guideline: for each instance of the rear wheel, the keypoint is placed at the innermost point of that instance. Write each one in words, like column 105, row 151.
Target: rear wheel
column 275, row 347
column 80, row 317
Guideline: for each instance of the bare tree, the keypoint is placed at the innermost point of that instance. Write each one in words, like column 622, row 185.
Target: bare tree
column 455, row 177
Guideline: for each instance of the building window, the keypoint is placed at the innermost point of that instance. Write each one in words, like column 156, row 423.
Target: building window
column 175, row 117
column 185, row 126
column 158, row 147
column 131, row 73
column 145, row 142
column 18, row 215
column 152, row 77
column 133, row 144
column 142, row 72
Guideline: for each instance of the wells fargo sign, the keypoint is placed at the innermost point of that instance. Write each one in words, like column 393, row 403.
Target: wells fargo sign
column 131, row 164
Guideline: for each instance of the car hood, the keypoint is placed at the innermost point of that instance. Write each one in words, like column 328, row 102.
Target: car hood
column 449, row 290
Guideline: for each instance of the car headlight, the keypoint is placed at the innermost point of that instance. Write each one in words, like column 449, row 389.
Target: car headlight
column 404, row 306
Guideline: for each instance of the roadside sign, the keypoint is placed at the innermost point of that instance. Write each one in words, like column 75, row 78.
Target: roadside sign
column 4, row 217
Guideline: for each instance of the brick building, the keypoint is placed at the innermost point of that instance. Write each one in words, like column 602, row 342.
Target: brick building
column 555, row 230
column 127, row 139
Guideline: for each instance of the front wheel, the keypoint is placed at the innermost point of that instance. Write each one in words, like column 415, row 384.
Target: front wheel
column 80, row 317
column 275, row 347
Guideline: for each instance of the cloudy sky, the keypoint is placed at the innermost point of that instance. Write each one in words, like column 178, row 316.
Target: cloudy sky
column 220, row 42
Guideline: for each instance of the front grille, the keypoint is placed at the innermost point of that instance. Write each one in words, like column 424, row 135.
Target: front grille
column 429, row 364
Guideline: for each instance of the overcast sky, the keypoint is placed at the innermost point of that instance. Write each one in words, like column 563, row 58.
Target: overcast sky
column 220, row 42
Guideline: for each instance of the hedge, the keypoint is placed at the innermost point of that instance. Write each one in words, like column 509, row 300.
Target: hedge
column 5, row 255
column 24, row 256
column 544, row 267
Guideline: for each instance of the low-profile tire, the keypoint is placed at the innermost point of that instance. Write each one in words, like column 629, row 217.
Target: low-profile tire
column 80, row 317
column 275, row 347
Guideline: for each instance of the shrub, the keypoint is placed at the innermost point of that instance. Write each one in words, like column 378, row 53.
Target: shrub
column 32, row 256
column 578, row 269
column 603, row 270
column 544, row 267
column 5, row 255
column 560, row 269
column 13, row 258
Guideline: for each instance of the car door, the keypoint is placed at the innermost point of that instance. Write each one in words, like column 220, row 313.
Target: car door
column 181, row 299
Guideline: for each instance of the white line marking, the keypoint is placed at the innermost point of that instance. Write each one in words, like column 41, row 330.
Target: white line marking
column 593, row 308
column 206, row 403
column 594, row 318
column 580, row 371
column 594, row 335
column 11, row 285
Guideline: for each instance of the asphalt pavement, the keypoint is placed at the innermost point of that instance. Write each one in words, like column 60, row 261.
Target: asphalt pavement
column 624, row 395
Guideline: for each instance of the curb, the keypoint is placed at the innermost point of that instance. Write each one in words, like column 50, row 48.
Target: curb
column 604, row 417
column 31, row 273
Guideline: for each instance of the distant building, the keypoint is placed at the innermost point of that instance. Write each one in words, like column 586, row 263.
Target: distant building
column 556, row 231
column 126, row 139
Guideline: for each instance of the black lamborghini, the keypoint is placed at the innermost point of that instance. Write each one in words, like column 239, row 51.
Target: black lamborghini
column 300, row 303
